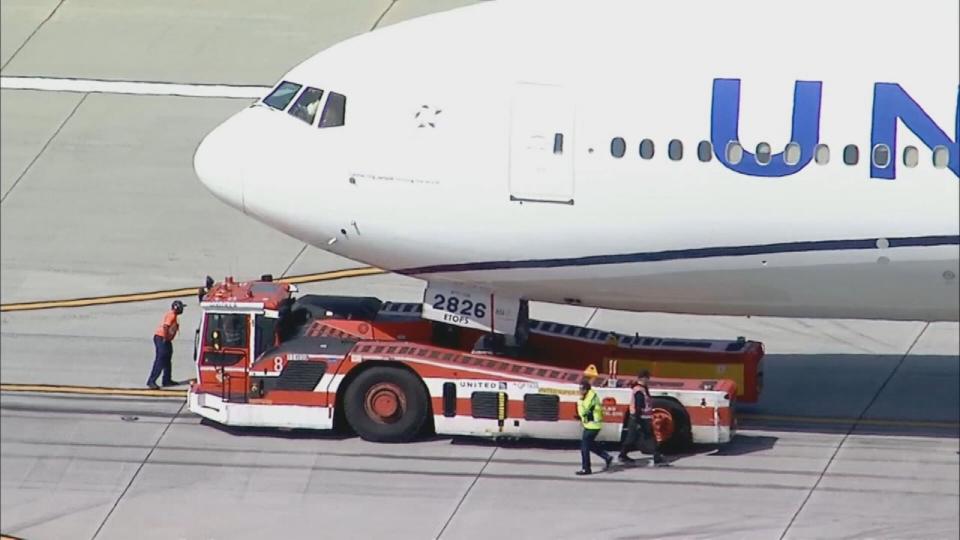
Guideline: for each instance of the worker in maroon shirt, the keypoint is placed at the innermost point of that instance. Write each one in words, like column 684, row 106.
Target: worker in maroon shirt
column 163, row 344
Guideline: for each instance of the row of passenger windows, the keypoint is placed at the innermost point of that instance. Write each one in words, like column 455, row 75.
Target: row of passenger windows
column 791, row 153
column 306, row 105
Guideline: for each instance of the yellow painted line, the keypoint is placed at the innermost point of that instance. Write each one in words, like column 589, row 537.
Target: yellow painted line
column 336, row 274
column 7, row 537
column 178, row 293
column 92, row 390
column 829, row 420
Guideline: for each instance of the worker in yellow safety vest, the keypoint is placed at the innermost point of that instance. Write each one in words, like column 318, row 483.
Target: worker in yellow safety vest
column 590, row 413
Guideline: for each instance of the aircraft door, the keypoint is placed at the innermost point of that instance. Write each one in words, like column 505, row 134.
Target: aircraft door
column 541, row 144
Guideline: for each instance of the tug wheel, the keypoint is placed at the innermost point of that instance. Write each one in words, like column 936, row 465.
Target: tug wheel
column 385, row 404
column 663, row 426
column 671, row 425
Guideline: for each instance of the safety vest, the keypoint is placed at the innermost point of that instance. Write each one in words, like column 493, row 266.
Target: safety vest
column 647, row 411
column 590, row 410
column 169, row 327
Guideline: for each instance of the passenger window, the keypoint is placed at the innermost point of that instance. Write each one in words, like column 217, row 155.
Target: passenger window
column 618, row 147
column 307, row 104
column 675, row 150
column 280, row 98
column 734, row 152
column 881, row 155
column 334, row 112
column 791, row 154
column 646, row 149
column 705, row 151
column 763, row 153
column 821, row 154
column 851, row 154
column 941, row 157
column 911, row 156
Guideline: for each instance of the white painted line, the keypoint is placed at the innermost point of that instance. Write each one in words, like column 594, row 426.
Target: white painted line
column 132, row 87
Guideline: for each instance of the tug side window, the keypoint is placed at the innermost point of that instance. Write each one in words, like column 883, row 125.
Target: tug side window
column 265, row 335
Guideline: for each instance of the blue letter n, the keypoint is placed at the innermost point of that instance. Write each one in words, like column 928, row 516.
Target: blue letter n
column 890, row 102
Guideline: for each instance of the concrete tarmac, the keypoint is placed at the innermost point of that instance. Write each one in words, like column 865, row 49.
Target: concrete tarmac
column 856, row 434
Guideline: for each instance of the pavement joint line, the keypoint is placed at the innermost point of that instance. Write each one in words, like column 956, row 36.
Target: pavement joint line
column 294, row 261
column 140, row 88
column 140, row 468
column 171, row 393
column 35, row 30
column 177, row 293
column 852, row 427
column 44, row 149
column 382, row 15
column 465, row 493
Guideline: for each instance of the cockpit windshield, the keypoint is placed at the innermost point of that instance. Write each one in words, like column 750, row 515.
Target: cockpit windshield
column 307, row 104
column 308, row 101
column 280, row 98
column 333, row 111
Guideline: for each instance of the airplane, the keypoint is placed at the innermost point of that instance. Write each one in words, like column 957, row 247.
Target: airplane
column 683, row 156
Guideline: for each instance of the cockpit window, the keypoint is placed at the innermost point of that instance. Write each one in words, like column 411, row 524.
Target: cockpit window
column 307, row 104
column 280, row 98
column 333, row 111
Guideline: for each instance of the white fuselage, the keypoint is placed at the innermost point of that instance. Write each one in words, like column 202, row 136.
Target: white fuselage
column 448, row 166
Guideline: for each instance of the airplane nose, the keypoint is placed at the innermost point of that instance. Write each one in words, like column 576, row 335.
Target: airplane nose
column 216, row 165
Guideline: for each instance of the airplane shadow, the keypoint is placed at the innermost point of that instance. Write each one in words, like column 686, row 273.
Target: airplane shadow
column 741, row 445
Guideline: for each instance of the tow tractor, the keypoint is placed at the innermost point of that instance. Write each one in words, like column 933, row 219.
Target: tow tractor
column 267, row 358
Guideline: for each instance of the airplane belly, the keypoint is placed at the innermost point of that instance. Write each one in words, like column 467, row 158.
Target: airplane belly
column 911, row 283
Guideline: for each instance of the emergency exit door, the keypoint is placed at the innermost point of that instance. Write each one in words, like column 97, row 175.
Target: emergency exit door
column 541, row 144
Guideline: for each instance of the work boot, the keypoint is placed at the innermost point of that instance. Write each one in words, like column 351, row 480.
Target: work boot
column 172, row 383
column 626, row 459
column 607, row 462
column 153, row 386
column 583, row 472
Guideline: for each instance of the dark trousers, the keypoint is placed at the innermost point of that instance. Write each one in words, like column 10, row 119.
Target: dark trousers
column 161, row 361
column 640, row 430
column 588, row 443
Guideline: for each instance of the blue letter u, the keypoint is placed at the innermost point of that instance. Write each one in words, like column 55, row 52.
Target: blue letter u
column 725, row 120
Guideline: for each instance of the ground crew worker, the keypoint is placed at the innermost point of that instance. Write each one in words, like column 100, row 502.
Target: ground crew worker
column 590, row 413
column 633, row 422
column 640, row 422
column 163, row 343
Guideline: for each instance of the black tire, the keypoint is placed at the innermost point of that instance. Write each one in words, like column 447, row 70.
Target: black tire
column 682, row 438
column 412, row 411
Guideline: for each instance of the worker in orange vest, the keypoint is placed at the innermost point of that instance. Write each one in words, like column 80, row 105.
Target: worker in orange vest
column 640, row 422
column 163, row 343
